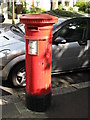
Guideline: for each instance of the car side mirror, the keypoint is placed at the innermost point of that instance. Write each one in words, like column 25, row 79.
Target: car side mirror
column 60, row 40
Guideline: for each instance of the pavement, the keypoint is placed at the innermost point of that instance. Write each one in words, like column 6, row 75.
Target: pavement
column 9, row 21
column 67, row 102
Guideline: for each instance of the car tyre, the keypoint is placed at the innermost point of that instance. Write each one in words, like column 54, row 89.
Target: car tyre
column 18, row 75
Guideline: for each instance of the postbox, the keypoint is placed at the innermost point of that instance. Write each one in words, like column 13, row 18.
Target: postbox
column 38, row 38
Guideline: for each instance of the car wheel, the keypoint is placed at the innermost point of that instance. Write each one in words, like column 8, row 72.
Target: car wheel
column 18, row 75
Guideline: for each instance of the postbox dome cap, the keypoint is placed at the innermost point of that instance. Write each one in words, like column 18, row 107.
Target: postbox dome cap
column 38, row 19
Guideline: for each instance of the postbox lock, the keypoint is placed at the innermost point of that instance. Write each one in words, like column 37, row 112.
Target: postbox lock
column 32, row 47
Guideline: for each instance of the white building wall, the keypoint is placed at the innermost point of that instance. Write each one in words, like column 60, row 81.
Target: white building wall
column 44, row 4
column 71, row 3
column 63, row 2
column 3, row 8
column 75, row 2
column 28, row 4
column 37, row 3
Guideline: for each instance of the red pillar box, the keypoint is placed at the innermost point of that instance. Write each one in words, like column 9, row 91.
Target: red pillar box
column 38, row 36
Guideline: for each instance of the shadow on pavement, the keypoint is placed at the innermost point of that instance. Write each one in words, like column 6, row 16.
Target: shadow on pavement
column 71, row 105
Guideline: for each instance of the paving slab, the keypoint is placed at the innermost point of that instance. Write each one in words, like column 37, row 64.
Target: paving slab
column 10, row 111
column 67, row 103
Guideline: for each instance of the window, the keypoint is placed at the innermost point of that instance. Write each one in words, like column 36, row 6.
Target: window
column 73, row 31
column 59, row 2
column 67, row 4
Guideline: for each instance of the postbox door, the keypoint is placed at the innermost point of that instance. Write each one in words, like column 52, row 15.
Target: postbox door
column 38, row 65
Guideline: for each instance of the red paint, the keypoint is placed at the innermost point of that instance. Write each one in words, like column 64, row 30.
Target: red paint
column 38, row 27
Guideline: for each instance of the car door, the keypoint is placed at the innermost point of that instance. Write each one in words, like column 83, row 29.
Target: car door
column 68, row 54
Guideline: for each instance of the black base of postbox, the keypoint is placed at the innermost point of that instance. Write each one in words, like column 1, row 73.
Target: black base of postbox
column 38, row 103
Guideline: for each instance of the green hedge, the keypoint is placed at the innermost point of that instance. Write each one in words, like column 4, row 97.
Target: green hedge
column 83, row 6
column 63, row 13
column 35, row 10
column 57, row 12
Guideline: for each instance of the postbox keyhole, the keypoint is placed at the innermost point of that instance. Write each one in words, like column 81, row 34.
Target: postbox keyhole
column 42, row 63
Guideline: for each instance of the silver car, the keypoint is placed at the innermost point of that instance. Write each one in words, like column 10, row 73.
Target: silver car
column 70, row 49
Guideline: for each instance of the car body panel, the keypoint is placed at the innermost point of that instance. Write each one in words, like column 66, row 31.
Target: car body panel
column 65, row 54
column 11, row 48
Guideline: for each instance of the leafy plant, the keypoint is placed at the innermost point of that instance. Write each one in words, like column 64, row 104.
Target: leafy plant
column 60, row 7
column 87, row 10
column 83, row 6
column 70, row 8
column 35, row 10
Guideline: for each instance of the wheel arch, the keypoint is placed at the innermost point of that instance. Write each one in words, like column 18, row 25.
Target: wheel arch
column 12, row 64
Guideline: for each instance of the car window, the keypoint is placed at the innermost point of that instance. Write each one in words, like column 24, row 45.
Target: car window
column 22, row 27
column 73, row 31
column 56, row 25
